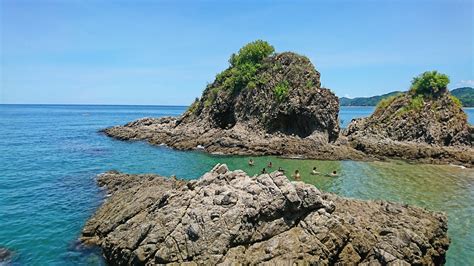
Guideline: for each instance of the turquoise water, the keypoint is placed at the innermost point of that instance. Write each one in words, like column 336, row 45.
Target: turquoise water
column 49, row 155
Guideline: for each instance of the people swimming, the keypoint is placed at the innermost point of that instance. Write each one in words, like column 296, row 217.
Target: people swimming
column 334, row 173
column 315, row 171
column 264, row 171
column 270, row 165
column 251, row 162
column 297, row 175
column 281, row 170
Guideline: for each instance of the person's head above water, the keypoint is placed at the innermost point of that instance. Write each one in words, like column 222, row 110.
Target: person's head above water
column 297, row 171
column 334, row 172
column 314, row 168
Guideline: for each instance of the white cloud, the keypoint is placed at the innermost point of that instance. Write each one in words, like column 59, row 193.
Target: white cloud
column 465, row 83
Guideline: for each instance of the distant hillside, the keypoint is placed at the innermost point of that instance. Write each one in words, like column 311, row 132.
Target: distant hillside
column 465, row 94
column 365, row 101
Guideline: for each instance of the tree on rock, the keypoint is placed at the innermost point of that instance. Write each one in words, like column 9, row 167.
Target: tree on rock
column 429, row 83
column 252, row 53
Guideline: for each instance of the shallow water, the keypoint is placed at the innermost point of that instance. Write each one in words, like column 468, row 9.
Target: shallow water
column 49, row 155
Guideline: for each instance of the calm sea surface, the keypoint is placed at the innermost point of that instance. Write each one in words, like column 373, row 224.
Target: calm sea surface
column 50, row 154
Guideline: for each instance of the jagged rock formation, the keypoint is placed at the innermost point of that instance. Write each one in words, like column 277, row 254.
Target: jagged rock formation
column 227, row 217
column 273, row 105
column 412, row 126
column 301, row 108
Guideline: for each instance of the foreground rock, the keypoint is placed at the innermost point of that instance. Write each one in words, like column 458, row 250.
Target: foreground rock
column 261, row 105
column 427, row 128
column 228, row 217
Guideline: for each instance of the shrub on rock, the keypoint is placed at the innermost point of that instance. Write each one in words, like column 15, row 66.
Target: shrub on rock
column 429, row 83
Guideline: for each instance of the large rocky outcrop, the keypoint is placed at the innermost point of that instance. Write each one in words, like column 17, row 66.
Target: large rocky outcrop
column 301, row 107
column 275, row 105
column 228, row 217
column 428, row 127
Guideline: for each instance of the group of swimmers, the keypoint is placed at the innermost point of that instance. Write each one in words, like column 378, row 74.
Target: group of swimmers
column 296, row 175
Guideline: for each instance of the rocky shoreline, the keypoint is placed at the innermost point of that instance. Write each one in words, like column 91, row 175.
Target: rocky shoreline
column 229, row 217
column 239, row 140
column 242, row 140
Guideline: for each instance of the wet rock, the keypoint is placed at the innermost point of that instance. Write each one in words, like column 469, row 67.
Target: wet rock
column 265, row 218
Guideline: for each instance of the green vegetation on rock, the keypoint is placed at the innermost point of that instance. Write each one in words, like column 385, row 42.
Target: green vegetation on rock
column 242, row 71
column 429, row 83
column 416, row 103
column 194, row 106
column 252, row 53
column 244, row 66
column 281, row 91
column 456, row 101
column 386, row 102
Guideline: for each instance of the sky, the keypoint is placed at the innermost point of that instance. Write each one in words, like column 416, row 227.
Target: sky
column 165, row 52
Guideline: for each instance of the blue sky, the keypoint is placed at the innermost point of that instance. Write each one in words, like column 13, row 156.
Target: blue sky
column 165, row 52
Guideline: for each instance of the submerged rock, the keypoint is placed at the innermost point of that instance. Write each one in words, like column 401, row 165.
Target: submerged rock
column 229, row 217
column 5, row 254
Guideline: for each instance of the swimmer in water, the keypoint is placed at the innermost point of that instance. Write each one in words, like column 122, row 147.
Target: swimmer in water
column 297, row 175
column 315, row 172
column 334, row 173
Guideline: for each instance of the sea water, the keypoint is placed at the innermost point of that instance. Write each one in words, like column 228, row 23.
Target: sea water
column 50, row 155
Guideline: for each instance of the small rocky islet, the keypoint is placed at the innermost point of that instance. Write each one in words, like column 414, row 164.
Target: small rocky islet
column 428, row 126
column 268, row 103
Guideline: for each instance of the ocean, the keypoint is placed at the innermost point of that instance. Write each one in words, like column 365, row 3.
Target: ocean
column 50, row 155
